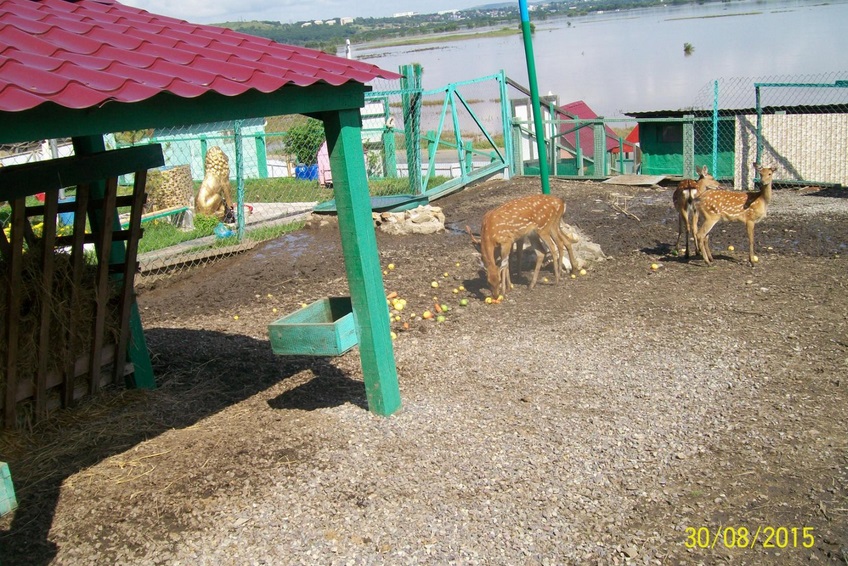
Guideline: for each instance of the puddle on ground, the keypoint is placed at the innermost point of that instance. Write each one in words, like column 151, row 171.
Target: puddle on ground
column 294, row 244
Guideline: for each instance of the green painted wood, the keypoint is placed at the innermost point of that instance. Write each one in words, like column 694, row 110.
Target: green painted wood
column 49, row 121
column 39, row 177
column 8, row 501
column 323, row 328
column 362, row 261
column 411, row 100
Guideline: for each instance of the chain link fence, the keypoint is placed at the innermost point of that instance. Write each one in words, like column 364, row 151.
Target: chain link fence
column 795, row 124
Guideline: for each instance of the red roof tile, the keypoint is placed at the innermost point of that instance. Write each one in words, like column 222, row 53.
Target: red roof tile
column 81, row 53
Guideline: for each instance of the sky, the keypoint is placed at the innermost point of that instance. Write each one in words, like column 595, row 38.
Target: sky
column 290, row 11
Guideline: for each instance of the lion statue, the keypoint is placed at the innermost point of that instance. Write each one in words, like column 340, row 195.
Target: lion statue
column 214, row 197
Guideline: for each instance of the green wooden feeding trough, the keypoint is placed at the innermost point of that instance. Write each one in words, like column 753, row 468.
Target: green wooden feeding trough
column 324, row 328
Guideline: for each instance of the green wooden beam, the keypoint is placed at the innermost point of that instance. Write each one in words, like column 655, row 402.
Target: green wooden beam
column 362, row 261
column 48, row 121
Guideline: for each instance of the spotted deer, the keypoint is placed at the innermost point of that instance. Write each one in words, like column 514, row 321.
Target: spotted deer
column 536, row 216
column 733, row 206
column 684, row 202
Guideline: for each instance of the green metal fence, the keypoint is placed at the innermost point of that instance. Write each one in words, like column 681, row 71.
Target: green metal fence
column 795, row 124
column 419, row 145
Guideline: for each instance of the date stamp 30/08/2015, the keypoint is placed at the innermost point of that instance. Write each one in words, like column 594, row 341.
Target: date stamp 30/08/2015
column 744, row 537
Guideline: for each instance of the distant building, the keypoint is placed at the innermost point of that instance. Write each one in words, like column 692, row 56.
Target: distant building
column 345, row 21
column 403, row 14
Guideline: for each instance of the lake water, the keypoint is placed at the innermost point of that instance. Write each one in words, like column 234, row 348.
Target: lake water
column 633, row 61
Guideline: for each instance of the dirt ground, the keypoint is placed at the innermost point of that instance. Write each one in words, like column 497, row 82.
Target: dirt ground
column 779, row 462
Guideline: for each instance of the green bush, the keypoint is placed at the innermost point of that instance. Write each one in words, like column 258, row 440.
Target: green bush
column 304, row 139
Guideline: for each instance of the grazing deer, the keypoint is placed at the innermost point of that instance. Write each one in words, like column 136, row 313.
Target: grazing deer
column 503, row 262
column 684, row 202
column 511, row 222
column 747, row 207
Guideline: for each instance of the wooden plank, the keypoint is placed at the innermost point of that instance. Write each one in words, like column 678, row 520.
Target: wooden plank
column 48, row 240
column 79, row 367
column 102, row 220
column 362, row 261
column 129, row 266
column 29, row 178
column 14, row 310
column 77, row 266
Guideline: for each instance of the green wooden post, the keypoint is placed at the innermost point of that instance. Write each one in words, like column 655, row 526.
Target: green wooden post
column 261, row 155
column 600, row 148
column 578, row 150
column 412, row 92
column 389, row 156
column 517, row 157
column 506, row 120
column 138, row 353
column 689, row 146
column 239, row 204
column 362, row 262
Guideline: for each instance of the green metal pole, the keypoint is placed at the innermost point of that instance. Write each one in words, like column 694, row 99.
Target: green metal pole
column 715, row 129
column 239, row 204
column 534, row 97
column 362, row 261
column 759, row 123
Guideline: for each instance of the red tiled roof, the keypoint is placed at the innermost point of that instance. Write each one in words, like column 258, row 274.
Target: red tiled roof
column 81, row 53
column 579, row 109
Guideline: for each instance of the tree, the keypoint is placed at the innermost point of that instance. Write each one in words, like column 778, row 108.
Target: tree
column 304, row 139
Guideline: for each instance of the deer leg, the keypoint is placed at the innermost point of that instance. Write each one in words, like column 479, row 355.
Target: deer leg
column 549, row 242
column 540, row 259
column 703, row 239
column 694, row 229
column 681, row 219
column 750, row 226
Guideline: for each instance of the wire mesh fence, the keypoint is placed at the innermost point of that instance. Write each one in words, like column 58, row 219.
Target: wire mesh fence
column 794, row 124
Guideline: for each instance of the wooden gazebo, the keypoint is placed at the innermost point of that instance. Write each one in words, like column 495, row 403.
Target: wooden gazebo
column 81, row 69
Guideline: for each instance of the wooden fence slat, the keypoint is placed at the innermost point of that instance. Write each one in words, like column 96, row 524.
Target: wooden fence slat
column 15, row 266
column 102, row 220
column 77, row 264
column 48, row 240
column 129, row 267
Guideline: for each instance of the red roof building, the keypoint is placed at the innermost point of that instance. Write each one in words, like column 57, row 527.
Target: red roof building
column 581, row 110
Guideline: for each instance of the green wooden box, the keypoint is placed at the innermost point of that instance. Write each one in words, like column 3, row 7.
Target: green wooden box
column 8, row 503
column 324, row 328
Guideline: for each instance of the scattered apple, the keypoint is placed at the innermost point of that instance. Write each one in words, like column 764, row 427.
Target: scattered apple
column 427, row 315
column 463, row 302
column 445, row 308
column 461, row 288
column 730, row 248
column 274, row 309
column 235, row 317
column 434, row 284
column 573, row 276
column 393, row 335
column 755, row 259
column 489, row 300
column 455, row 291
column 582, row 272
column 391, row 266
column 440, row 318
column 655, row 266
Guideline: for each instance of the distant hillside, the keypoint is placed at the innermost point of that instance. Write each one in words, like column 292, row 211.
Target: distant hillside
column 329, row 35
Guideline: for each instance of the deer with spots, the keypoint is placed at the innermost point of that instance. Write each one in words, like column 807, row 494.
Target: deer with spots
column 684, row 202
column 537, row 217
column 733, row 206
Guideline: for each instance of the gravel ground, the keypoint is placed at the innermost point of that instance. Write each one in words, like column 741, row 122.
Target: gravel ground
column 590, row 422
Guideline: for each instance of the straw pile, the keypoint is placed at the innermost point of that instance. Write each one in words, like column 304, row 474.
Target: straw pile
column 66, row 342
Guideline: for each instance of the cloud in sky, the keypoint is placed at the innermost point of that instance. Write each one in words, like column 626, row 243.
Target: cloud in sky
column 288, row 11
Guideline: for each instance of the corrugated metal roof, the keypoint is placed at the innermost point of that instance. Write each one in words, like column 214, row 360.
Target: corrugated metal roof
column 82, row 53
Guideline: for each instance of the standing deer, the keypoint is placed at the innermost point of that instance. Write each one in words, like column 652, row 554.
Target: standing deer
column 684, row 202
column 511, row 222
column 747, row 207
